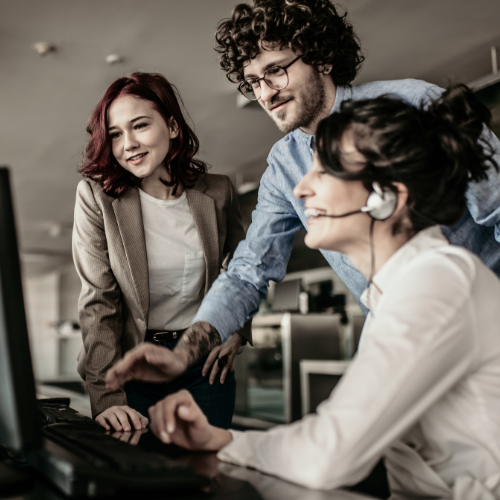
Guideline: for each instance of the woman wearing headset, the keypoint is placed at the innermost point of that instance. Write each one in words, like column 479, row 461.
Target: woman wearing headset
column 152, row 231
column 424, row 388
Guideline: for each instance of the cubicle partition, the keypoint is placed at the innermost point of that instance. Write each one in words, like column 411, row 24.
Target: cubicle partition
column 268, row 374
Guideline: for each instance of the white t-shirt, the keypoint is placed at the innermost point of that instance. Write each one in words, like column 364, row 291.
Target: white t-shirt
column 176, row 262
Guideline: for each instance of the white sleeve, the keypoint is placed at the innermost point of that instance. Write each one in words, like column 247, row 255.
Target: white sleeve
column 416, row 347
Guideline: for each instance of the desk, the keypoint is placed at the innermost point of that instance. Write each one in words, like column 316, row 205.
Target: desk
column 227, row 482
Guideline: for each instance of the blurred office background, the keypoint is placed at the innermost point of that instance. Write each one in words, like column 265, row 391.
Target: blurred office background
column 48, row 90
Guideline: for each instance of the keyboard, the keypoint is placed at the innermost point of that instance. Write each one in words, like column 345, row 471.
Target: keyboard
column 96, row 464
column 105, row 452
column 93, row 463
column 51, row 412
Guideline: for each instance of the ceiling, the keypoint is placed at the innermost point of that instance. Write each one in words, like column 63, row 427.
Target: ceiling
column 45, row 101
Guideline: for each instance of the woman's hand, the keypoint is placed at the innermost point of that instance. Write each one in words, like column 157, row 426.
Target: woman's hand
column 228, row 352
column 146, row 362
column 121, row 418
column 178, row 419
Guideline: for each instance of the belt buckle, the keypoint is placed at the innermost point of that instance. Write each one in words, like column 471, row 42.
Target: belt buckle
column 158, row 339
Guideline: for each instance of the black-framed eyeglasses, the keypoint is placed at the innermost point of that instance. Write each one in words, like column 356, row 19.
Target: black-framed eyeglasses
column 275, row 77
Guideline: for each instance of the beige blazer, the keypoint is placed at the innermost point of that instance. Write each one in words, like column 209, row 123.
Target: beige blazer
column 109, row 250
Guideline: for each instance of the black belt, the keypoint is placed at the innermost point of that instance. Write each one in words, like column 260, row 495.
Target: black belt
column 164, row 335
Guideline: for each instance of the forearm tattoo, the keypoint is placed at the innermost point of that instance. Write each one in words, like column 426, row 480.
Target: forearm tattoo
column 198, row 340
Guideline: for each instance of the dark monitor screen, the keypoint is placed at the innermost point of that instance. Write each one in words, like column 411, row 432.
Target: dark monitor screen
column 19, row 429
column 286, row 296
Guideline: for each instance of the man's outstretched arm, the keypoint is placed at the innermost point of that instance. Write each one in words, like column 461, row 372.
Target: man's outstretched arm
column 262, row 256
column 152, row 363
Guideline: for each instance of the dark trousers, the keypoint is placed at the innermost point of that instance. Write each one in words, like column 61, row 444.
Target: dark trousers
column 216, row 401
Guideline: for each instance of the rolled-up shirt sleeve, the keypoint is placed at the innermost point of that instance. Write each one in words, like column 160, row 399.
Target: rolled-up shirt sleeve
column 483, row 198
column 417, row 344
column 262, row 256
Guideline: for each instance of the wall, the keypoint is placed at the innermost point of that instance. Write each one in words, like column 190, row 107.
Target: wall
column 69, row 286
column 41, row 302
column 50, row 298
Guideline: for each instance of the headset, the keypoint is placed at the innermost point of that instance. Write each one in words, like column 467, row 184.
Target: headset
column 380, row 205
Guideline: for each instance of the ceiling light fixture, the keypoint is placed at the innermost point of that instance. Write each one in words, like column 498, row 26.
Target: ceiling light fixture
column 43, row 48
column 114, row 59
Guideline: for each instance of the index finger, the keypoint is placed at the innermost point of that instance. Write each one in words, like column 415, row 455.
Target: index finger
column 114, row 380
column 210, row 359
column 229, row 366
column 163, row 414
column 213, row 373
column 120, row 373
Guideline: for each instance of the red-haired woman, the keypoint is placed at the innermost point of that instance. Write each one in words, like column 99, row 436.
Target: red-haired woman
column 152, row 231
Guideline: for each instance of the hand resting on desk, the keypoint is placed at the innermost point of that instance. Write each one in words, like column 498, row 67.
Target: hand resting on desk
column 121, row 418
column 178, row 419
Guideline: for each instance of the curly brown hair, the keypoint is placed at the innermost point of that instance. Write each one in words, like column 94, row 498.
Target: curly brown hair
column 313, row 28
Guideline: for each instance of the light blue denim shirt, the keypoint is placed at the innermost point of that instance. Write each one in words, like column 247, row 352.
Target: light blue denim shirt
column 235, row 296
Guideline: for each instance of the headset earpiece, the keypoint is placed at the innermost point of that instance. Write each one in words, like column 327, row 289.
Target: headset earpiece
column 381, row 203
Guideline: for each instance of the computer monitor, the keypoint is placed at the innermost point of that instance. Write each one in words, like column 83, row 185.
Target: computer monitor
column 286, row 296
column 19, row 426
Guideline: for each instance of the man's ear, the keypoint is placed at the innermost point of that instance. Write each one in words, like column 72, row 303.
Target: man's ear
column 325, row 69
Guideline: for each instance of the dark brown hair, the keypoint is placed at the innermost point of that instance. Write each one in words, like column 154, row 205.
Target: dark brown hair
column 435, row 151
column 99, row 163
column 309, row 27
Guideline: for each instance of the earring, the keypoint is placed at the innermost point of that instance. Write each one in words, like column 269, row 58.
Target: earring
column 327, row 70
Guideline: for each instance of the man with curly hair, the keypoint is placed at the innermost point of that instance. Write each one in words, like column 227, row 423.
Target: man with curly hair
column 298, row 58
column 316, row 46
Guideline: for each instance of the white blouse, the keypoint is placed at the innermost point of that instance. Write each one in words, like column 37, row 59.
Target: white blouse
column 423, row 390
column 176, row 262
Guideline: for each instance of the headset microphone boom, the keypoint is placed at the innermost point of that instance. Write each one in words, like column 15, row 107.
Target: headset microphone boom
column 380, row 205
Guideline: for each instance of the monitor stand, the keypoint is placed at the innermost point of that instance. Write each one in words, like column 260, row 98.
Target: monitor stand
column 14, row 478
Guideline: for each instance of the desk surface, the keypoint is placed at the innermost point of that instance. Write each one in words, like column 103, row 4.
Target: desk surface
column 227, row 482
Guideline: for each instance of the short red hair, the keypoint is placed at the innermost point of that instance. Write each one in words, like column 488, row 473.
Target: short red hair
column 99, row 163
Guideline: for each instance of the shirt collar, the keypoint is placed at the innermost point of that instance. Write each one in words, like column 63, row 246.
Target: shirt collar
column 429, row 238
column 343, row 93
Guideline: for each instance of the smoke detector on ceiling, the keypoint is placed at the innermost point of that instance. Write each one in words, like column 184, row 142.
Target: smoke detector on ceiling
column 43, row 48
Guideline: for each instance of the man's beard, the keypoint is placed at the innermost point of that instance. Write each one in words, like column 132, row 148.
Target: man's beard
column 313, row 101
